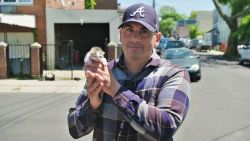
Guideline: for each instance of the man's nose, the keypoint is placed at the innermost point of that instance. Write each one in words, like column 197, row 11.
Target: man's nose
column 136, row 35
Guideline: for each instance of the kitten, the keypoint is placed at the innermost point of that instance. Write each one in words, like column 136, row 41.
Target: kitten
column 95, row 54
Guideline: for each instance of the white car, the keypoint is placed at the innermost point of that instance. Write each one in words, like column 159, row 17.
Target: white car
column 203, row 45
column 244, row 51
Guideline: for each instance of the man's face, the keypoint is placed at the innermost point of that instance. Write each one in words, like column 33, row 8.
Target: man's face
column 137, row 41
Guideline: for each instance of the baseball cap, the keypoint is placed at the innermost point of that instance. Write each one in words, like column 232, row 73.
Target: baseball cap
column 143, row 14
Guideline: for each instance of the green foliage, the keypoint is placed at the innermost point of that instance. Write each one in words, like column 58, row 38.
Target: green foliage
column 236, row 5
column 35, row 35
column 193, row 15
column 244, row 30
column 90, row 4
column 169, row 16
column 240, row 9
column 166, row 26
column 193, row 31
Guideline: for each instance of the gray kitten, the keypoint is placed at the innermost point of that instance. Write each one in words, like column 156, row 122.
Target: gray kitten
column 95, row 54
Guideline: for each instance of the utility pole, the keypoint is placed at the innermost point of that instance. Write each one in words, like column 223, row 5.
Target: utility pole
column 154, row 4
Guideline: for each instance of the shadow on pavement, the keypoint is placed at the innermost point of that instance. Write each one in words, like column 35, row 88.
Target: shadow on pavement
column 210, row 60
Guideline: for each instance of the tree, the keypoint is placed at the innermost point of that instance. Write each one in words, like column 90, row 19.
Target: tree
column 166, row 26
column 193, row 15
column 193, row 31
column 169, row 16
column 240, row 9
column 90, row 4
column 244, row 30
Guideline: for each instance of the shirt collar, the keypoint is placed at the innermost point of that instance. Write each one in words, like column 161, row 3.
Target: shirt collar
column 155, row 61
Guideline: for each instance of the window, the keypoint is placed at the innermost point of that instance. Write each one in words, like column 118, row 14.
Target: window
column 24, row 0
column 16, row 2
column 9, row 0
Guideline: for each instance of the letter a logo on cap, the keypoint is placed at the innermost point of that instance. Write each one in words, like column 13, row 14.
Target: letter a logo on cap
column 139, row 11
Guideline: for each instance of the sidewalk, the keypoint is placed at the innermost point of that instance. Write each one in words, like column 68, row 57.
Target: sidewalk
column 37, row 86
column 214, row 52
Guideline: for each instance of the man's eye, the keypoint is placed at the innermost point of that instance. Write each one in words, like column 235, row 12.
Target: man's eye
column 144, row 31
column 128, row 29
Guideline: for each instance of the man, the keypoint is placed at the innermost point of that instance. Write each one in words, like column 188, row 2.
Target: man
column 138, row 97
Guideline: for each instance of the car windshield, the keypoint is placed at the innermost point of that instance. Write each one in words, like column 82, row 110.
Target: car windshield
column 163, row 43
column 178, row 53
column 175, row 44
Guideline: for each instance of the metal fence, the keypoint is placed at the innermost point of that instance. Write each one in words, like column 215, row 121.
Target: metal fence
column 19, row 63
column 57, row 62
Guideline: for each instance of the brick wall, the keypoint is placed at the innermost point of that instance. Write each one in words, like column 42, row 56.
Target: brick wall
column 68, row 4
column 35, row 62
column 106, row 4
column 3, row 63
column 37, row 9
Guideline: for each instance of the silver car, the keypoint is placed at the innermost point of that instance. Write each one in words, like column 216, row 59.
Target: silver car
column 186, row 59
column 244, row 51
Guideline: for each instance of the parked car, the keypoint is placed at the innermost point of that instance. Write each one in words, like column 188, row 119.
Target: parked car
column 203, row 45
column 244, row 52
column 173, row 44
column 162, row 44
column 186, row 59
column 193, row 43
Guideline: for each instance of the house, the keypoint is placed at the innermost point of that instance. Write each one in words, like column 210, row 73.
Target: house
column 63, row 28
column 20, row 23
column 182, row 29
column 84, row 28
column 204, row 21
column 222, row 31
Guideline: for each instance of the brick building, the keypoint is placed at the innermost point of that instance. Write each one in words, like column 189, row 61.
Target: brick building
column 52, row 22
column 24, row 33
column 68, row 24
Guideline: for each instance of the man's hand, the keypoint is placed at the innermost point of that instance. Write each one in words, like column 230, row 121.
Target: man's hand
column 104, row 76
column 110, row 84
column 94, row 89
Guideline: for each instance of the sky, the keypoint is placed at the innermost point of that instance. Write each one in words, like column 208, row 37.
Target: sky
column 181, row 6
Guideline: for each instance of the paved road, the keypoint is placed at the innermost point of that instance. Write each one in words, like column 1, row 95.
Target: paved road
column 219, row 109
column 220, row 103
column 35, row 116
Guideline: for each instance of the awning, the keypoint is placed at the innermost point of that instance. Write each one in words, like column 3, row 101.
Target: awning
column 19, row 20
column 211, row 30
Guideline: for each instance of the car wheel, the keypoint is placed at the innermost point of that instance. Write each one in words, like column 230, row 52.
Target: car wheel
column 241, row 62
column 195, row 79
column 198, row 78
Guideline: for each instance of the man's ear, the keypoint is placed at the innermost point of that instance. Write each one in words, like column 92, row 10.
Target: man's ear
column 157, row 38
column 120, row 32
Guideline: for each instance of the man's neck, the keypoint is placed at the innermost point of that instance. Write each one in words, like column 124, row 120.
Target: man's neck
column 135, row 65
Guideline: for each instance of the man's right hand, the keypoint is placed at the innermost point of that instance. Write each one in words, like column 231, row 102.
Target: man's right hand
column 94, row 89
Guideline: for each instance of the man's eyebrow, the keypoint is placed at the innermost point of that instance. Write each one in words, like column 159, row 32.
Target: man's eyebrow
column 144, row 28
column 127, row 25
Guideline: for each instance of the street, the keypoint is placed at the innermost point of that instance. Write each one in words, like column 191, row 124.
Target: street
column 219, row 109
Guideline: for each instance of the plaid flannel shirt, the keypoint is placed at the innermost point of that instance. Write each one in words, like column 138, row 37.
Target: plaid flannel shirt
column 150, row 105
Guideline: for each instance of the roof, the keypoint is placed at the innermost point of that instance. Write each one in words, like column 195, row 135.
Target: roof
column 18, row 19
